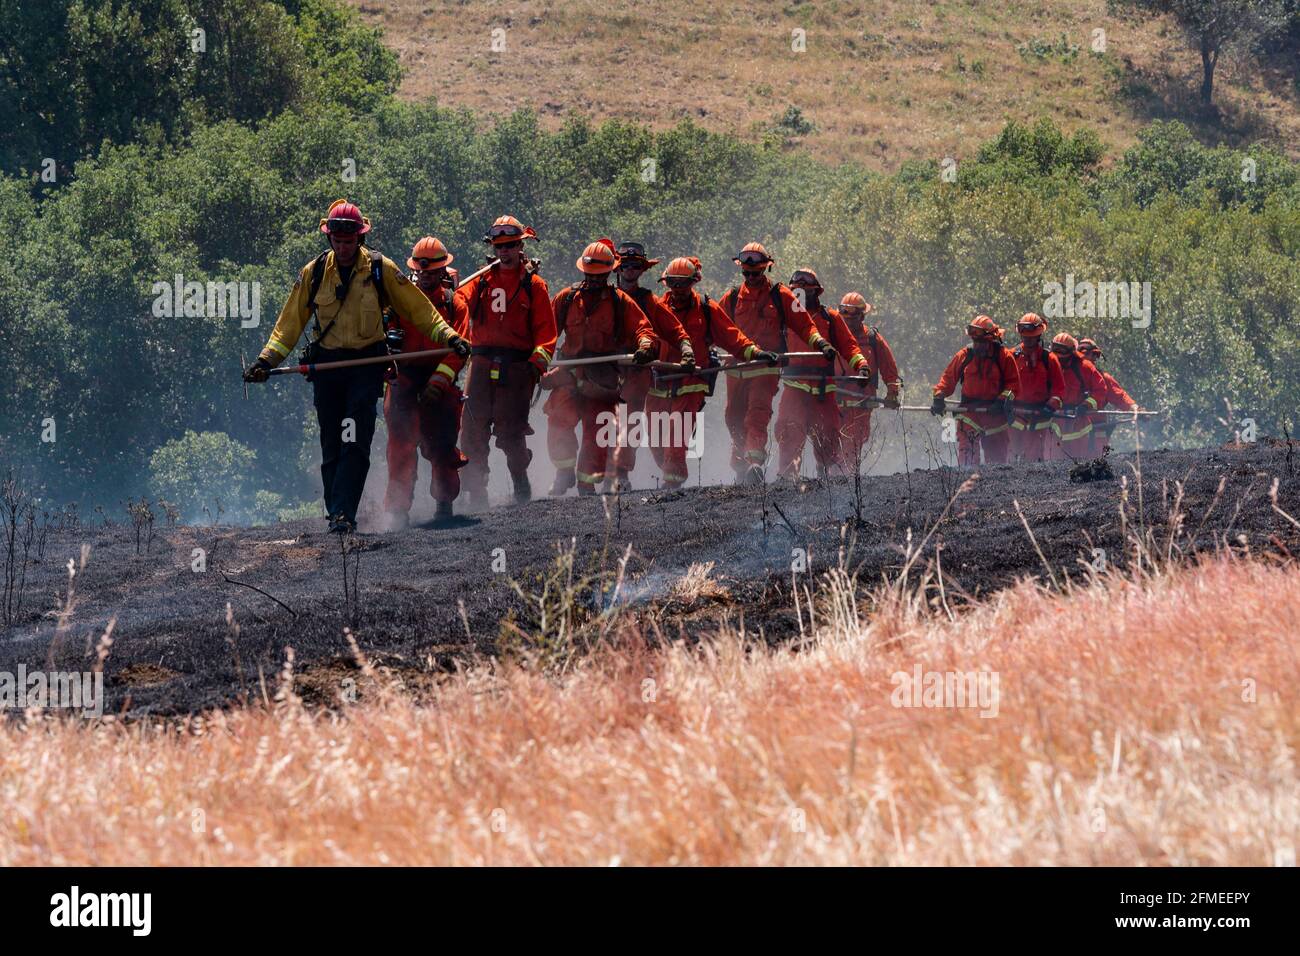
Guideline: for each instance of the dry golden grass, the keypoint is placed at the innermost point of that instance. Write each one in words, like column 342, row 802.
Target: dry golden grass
column 885, row 82
column 1127, row 733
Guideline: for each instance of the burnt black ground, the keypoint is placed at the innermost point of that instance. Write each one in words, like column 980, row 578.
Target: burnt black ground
column 173, row 651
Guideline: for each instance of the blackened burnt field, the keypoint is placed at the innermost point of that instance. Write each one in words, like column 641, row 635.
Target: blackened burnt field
column 429, row 598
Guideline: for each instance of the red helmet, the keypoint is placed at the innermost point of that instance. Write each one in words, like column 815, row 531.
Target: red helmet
column 508, row 229
column 429, row 253
column 598, row 258
column 345, row 219
column 855, row 302
column 1065, row 343
column 1031, row 324
column 753, row 255
column 982, row 327
column 684, row 270
column 806, row 278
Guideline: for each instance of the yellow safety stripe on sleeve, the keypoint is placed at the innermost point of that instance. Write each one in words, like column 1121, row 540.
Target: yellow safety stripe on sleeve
column 564, row 462
column 750, row 352
column 1007, row 393
column 444, row 370
column 644, row 343
column 859, row 360
column 817, row 341
column 275, row 345
column 1091, row 401
column 546, row 356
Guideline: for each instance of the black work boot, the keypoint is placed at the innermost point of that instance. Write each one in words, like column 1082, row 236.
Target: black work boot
column 523, row 489
column 443, row 511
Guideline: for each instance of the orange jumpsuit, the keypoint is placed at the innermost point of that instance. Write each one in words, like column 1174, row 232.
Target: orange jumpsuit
column 1103, row 425
column 592, row 325
column 1040, row 384
column 808, row 408
column 706, row 324
column 430, row 428
column 750, row 392
column 637, row 381
column 511, row 324
column 1083, row 386
column 855, row 415
column 983, row 378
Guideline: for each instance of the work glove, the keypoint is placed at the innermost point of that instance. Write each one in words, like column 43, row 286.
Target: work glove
column 937, row 407
column 688, row 355
column 1008, row 406
column 259, row 371
column 828, row 352
column 458, row 345
column 891, row 399
column 771, row 358
column 644, row 355
column 438, row 387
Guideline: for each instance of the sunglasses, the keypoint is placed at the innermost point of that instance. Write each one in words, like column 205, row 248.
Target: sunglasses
column 510, row 245
column 343, row 227
column 678, row 282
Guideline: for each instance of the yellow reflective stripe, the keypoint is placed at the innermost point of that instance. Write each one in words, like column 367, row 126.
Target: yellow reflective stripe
column 546, row 356
column 1007, row 393
column 807, row 387
column 590, row 479
column 750, row 351
column 684, row 390
column 564, row 462
column 668, row 477
column 1070, row 436
column 754, row 372
column 275, row 345
column 444, row 370
column 756, row 456
column 859, row 360
column 1091, row 401
column 981, row 428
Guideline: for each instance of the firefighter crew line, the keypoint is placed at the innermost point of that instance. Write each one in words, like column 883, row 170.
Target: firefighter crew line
column 377, row 333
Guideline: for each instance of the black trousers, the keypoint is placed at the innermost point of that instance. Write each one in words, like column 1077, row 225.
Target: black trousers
column 346, row 401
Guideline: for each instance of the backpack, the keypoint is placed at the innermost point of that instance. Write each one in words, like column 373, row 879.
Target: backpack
column 566, row 300
column 729, row 303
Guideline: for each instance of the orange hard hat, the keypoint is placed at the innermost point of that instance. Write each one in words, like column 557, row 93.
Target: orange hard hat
column 598, row 258
column 429, row 253
column 345, row 219
column 982, row 327
column 1067, row 342
column 1031, row 324
column 508, row 229
column 855, row 302
column 753, row 255
column 682, row 268
column 806, row 277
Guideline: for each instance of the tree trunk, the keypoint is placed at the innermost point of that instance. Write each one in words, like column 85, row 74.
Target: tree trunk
column 1209, row 60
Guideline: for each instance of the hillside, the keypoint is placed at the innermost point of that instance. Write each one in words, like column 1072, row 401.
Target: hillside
column 899, row 80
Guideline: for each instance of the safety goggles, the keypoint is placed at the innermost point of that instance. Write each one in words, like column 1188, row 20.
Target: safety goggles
column 805, row 279
column 343, row 227
column 496, row 232
column 1030, row 330
column 429, row 263
column 679, row 282
column 753, row 259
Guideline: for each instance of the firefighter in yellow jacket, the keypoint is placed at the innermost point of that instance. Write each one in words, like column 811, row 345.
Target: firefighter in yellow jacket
column 347, row 288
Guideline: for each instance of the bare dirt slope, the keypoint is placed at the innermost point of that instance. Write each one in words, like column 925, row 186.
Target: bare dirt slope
column 430, row 597
column 881, row 82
